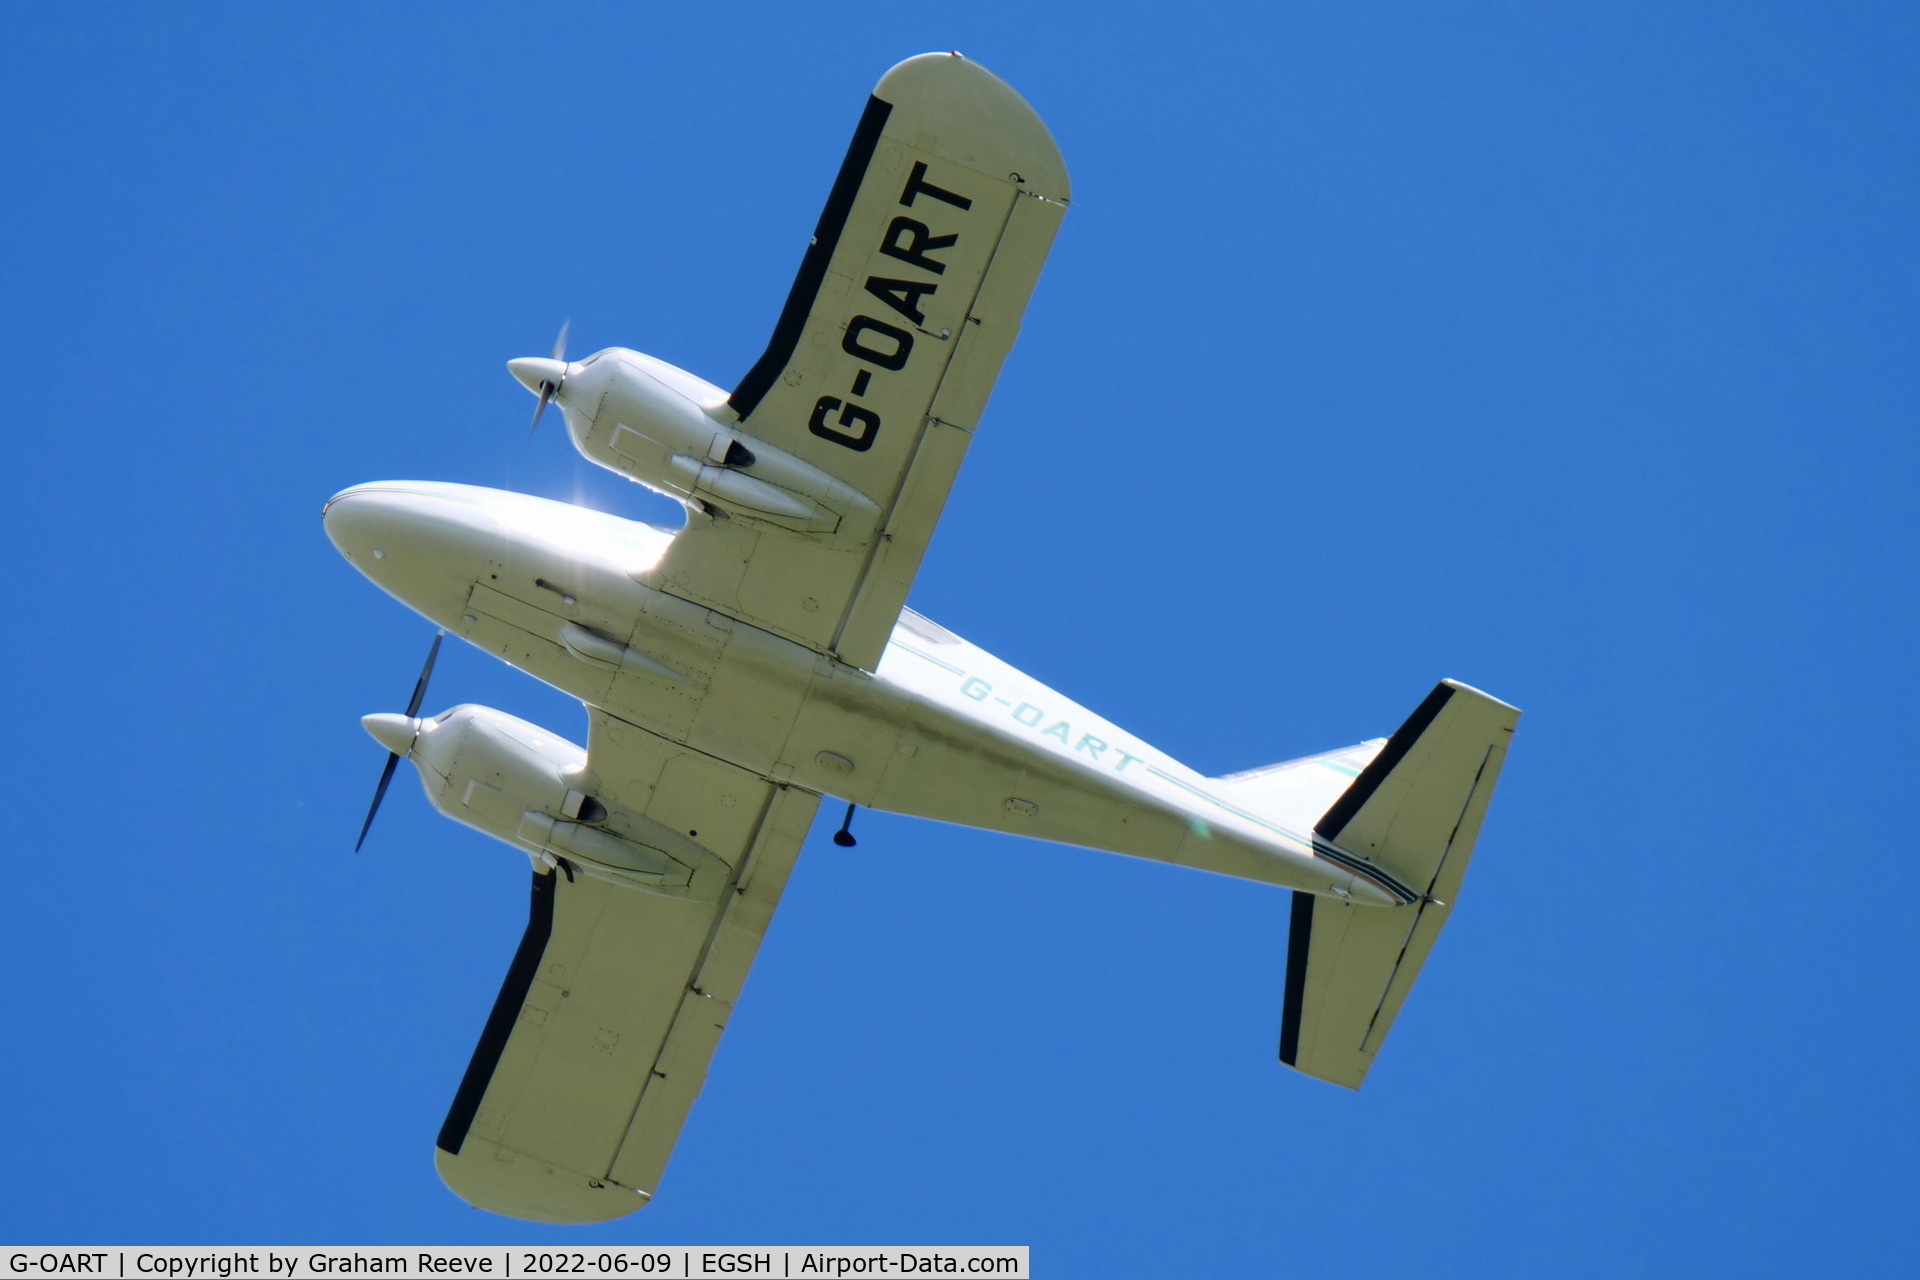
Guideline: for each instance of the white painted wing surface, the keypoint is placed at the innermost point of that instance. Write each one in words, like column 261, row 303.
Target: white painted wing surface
column 906, row 303
column 1412, row 815
column 600, row 1038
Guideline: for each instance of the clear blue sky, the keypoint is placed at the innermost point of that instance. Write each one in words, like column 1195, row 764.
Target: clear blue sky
column 1565, row 350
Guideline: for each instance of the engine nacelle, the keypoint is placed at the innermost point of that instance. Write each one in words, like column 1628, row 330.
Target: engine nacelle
column 676, row 434
column 518, row 783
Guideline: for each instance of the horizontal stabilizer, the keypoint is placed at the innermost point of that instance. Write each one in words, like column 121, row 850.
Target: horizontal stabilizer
column 1411, row 816
column 1297, row 792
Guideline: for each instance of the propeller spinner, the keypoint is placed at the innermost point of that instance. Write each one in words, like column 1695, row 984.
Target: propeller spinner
column 543, row 377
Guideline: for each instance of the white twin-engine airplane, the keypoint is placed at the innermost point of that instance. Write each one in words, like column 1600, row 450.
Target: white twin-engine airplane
column 739, row 669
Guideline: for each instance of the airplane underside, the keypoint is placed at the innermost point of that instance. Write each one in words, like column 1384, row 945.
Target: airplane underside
column 741, row 668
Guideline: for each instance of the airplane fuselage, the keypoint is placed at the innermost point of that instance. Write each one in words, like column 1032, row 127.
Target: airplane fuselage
column 940, row 730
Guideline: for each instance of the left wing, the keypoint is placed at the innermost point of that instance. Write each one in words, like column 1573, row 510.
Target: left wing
column 599, row 1040
column 907, row 301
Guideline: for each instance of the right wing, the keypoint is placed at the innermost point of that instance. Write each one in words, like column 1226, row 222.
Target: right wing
column 907, row 301
column 599, row 1040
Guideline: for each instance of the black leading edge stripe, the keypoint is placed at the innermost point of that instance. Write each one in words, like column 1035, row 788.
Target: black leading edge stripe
column 506, row 1011
column 1362, row 788
column 813, row 268
column 1299, row 939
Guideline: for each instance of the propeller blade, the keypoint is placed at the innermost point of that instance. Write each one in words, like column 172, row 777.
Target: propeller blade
column 426, row 673
column 549, row 390
column 546, row 398
column 379, row 793
column 393, row 757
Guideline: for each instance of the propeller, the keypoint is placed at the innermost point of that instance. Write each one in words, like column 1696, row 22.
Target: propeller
column 548, row 390
column 413, row 709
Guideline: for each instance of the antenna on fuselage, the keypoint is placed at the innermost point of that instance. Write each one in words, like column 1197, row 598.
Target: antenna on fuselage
column 844, row 836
